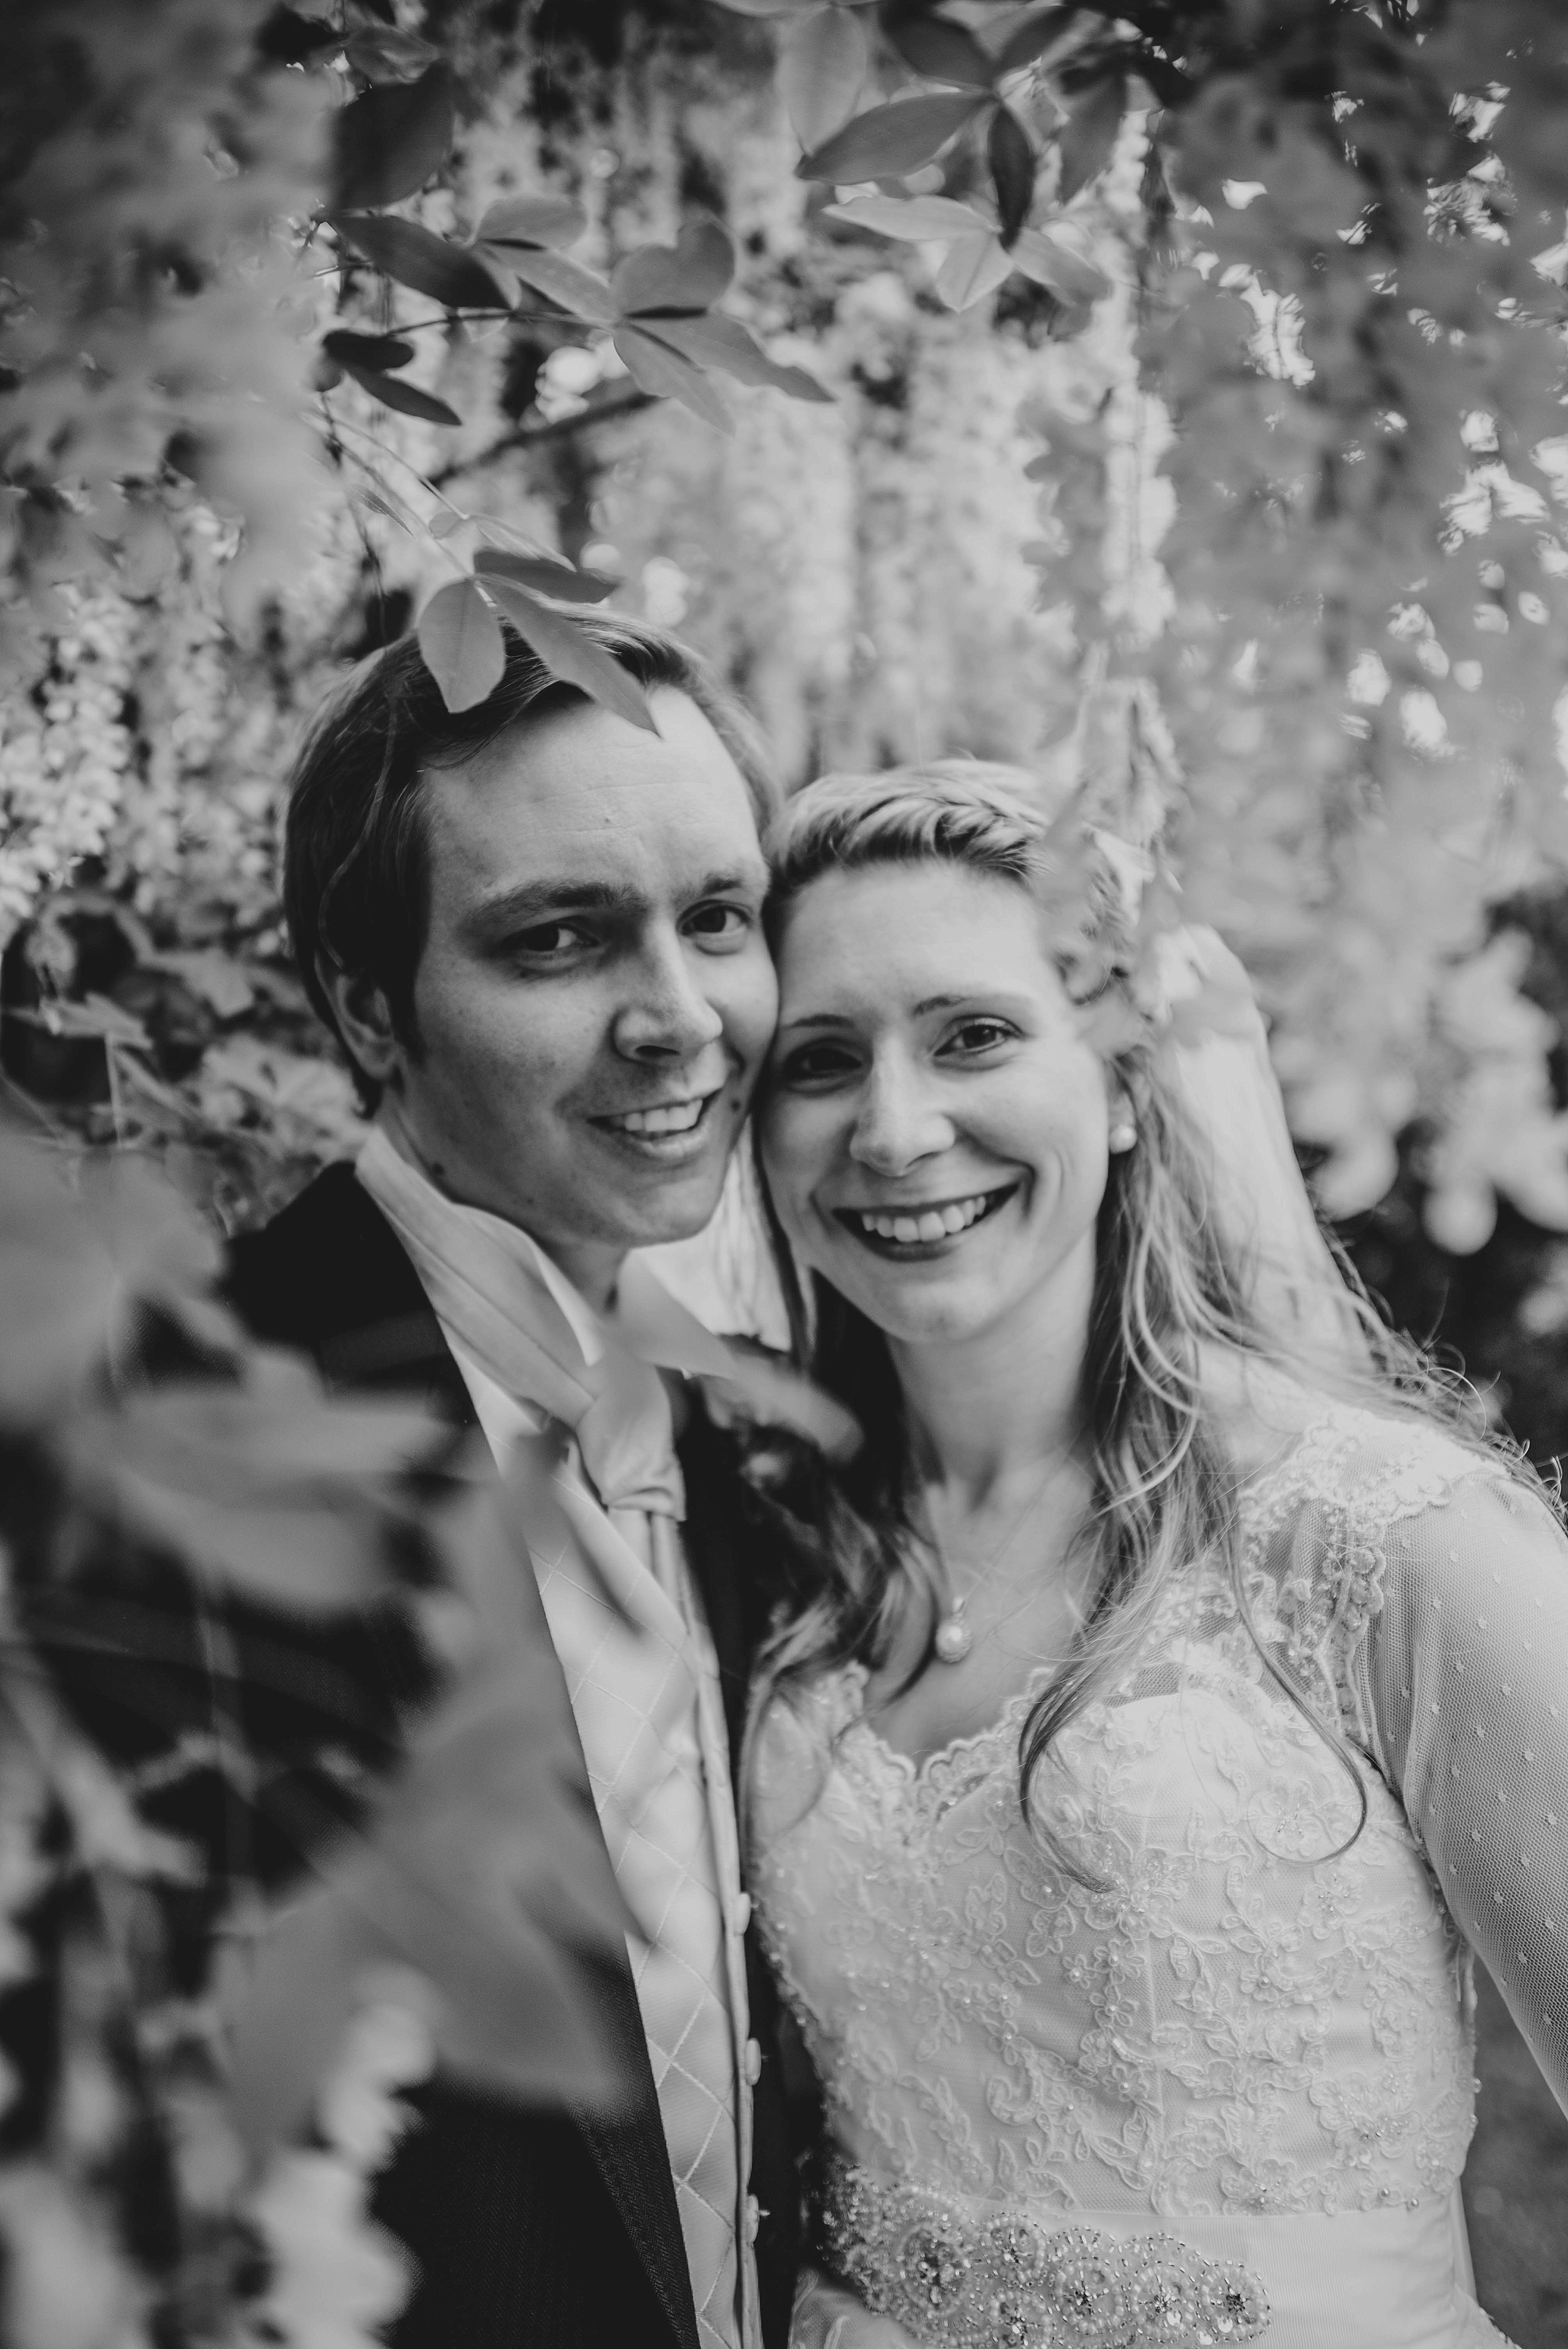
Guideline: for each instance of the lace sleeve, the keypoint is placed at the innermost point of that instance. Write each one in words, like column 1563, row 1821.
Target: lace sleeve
column 1464, row 1678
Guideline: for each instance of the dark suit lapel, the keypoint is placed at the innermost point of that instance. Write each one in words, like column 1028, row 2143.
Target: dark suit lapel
column 339, row 1283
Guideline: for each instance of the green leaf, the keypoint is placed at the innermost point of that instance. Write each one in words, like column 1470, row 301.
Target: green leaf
column 1032, row 38
column 970, row 269
column 388, row 142
column 381, row 53
column 1012, row 162
column 940, row 50
column 417, row 258
column 918, row 220
column 1089, row 135
column 716, row 341
column 571, row 656
column 667, row 373
column 547, row 578
column 533, row 221
column 1054, row 264
column 822, row 61
column 377, row 352
column 890, row 141
column 461, row 642
column 662, row 280
column 567, row 282
column 405, row 398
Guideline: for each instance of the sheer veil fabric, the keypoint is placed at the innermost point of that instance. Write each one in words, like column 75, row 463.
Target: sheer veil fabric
column 1221, row 2087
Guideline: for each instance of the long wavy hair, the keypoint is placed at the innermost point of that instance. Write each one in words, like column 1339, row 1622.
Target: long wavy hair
column 1166, row 1300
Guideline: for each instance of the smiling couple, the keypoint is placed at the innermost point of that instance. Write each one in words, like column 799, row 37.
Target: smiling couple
column 1106, row 1858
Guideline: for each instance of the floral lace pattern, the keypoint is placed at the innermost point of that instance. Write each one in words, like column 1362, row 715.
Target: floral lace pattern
column 1251, row 2008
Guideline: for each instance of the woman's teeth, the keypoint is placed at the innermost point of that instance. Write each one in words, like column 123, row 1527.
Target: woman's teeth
column 677, row 1117
column 930, row 1224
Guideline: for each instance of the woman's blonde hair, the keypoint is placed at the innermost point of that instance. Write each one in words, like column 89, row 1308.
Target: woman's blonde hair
column 1166, row 1295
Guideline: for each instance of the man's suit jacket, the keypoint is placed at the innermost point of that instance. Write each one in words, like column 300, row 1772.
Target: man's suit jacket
column 535, row 2230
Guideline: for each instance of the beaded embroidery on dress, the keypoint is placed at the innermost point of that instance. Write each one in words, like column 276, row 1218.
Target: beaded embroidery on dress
column 1246, row 2015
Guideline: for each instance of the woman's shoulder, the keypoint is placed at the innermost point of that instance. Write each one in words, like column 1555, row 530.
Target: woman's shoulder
column 1379, row 1461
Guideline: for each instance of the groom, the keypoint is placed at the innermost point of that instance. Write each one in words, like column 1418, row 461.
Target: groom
column 536, row 931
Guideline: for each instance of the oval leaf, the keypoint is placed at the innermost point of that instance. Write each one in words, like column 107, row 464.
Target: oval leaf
column 1055, row 266
column 890, row 141
column 822, row 63
column 918, row 220
column 381, row 53
column 939, row 51
column 462, row 645
column 571, row 656
column 391, row 141
column 1089, row 135
column 533, row 221
column 417, row 258
column 546, row 578
column 662, row 280
column 1033, row 38
column 716, row 341
column 405, row 398
column 1012, row 162
column 973, row 268
column 565, row 282
column 667, row 373
column 377, row 352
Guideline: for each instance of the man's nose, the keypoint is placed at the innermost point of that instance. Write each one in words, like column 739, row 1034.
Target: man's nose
column 899, row 1122
column 667, row 1015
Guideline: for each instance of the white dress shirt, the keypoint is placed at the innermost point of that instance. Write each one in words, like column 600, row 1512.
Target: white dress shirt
column 640, row 1670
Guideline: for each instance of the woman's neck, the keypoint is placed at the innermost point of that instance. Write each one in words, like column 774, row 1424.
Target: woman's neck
column 1000, row 1406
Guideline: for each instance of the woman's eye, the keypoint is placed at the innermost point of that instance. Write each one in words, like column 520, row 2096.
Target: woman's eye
column 816, row 1064
column 975, row 1036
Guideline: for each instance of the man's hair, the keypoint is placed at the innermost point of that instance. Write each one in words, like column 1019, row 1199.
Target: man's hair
column 355, row 852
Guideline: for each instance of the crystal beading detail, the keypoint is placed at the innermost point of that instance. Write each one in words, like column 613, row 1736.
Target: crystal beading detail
column 1010, row 2282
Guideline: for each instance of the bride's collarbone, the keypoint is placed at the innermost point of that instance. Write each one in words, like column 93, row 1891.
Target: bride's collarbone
column 947, row 1704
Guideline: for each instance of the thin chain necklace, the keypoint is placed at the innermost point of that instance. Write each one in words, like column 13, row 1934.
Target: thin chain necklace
column 954, row 1634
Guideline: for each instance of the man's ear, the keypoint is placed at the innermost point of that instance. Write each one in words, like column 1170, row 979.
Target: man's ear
column 363, row 1019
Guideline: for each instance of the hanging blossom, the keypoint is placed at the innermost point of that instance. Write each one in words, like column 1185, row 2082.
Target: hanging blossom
column 65, row 752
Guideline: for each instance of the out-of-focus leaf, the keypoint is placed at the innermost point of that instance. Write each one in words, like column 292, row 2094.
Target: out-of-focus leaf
column 95, row 1014
column 822, row 61
column 417, row 257
column 716, row 341
column 770, row 7
column 567, row 282
column 392, row 139
column 568, row 654
column 918, row 220
column 287, row 37
column 1032, row 38
column 377, row 352
column 407, row 397
column 382, row 53
column 216, row 978
column 484, row 1870
column 666, row 374
column 890, row 141
column 269, row 1491
column 545, row 577
column 970, row 269
column 662, row 280
column 462, row 642
column 1088, row 134
column 1012, row 162
column 1051, row 262
column 940, row 50
column 533, row 221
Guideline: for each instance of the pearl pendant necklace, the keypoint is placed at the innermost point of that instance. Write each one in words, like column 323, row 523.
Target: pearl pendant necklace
column 954, row 1634
column 954, row 1637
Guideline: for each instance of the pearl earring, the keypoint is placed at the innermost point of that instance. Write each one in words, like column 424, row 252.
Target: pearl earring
column 1122, row 1135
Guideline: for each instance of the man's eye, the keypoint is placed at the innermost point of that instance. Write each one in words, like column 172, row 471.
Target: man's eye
column 548, row 941
column 723, row 922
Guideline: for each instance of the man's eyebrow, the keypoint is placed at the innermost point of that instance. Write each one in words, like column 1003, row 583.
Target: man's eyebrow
column 530, row 901
column 738, row 876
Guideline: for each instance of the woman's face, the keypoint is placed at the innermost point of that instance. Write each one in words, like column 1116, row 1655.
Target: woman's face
column 934, row 1125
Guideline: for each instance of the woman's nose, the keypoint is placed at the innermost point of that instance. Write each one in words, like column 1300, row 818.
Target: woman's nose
column 898, row 1122
column 666, row 1014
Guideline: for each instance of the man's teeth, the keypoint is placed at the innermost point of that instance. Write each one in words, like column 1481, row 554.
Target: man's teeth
column 679, row 1117
column 931, row 1224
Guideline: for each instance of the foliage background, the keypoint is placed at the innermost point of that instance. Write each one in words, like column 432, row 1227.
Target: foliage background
column 961, row 551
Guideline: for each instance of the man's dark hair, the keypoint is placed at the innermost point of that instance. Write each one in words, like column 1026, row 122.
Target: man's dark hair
column 356, row 860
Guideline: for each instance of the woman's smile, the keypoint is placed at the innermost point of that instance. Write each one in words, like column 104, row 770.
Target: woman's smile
column 912, row 1230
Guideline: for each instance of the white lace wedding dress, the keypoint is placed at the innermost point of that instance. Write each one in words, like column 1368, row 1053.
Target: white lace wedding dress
column 1227, row 2095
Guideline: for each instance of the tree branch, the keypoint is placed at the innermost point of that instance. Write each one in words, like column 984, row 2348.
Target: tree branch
column 623, row 399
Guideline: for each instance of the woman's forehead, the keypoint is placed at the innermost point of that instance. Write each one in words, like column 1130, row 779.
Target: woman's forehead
column 902, row 933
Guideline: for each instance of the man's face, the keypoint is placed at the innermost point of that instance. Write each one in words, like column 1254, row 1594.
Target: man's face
column 595, row 996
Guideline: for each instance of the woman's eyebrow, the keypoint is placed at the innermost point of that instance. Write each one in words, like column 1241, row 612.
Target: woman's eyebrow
column 816, row 1020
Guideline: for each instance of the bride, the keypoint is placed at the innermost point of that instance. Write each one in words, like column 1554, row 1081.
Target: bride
column 1172, row 1695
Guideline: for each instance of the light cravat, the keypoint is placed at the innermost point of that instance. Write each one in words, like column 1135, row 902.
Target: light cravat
column 639, row 1666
